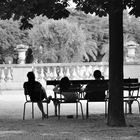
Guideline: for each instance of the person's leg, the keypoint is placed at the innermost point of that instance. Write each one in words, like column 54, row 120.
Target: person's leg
column 40, row 106
column 45, row 95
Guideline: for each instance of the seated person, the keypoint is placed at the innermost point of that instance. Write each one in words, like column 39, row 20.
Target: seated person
column 65, row 88
column 36, row 91
column 96, row 91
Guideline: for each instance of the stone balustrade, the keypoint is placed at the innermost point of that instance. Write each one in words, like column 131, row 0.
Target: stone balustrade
column 12, row 75
column 55, row 70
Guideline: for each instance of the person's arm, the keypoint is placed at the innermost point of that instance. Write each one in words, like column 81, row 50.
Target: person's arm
column 56, row 89
column 25, row 88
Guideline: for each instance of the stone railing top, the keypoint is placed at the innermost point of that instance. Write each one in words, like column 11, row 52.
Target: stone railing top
column 54, row 64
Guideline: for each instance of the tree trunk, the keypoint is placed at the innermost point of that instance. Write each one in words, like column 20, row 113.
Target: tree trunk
column 115, row 107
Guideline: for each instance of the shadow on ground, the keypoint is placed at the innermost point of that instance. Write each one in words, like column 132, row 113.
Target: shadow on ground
column 12, row 127
column 94, row 128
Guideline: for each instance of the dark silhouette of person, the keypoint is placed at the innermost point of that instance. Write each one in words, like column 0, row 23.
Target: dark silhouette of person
column 64, row 84
column 96, row 90
column 36, row 91
column 97, row 75
column 66, row 89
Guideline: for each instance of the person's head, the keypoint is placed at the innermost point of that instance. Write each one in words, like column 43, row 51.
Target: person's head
column 97, row 74
column 31, row 76
column 64, row 83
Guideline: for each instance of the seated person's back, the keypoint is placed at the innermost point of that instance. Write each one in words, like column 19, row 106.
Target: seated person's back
column 67, row 90
column 95, row 91
column 33, row 88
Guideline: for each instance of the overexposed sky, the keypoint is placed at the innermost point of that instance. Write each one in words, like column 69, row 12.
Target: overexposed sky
column 72, row 5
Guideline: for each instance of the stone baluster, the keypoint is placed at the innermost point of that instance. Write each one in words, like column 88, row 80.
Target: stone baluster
column 75, row 76
column 95, row 68
column 50, row 74
column 106, row 72
column 67, row 72
column 64, row 70
column 42, row 76
column 91, row 72
column 32, row 69
column 58, row 72
column 61, row 72
column 102, row 68
column 83, row 72
column 9, row 74
column 2, row 76
column 55, row 73
column 88, row 72
column 79, row 72
column 36, row 73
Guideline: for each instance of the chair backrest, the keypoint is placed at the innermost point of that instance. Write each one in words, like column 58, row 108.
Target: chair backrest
column 71, row 95
column 95, row 91
column 132, row 85
column 34, row 94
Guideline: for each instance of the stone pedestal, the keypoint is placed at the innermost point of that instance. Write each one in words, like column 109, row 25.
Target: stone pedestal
column 131, row 51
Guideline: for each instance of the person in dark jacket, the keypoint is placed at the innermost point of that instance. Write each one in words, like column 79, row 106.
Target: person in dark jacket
column 96, row 91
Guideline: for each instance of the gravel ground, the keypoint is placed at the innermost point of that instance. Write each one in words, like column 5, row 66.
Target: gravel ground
column 12, row 127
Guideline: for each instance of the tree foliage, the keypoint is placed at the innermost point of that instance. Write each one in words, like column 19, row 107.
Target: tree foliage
column 26, row 9
column 131, row 32
column 58, row 41
column 11, row 36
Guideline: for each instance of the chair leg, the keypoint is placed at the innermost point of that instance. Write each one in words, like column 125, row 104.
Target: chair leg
column 24, row 110
column 76, row 110
column 106, row 109
column 59, row 111
column 138, row 104
column 126, row 107
column 82, row 110
column 87, row 113
column 47, row 109
column 32, row 110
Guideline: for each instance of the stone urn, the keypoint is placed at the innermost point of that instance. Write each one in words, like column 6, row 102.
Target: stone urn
column 131, row 51
column 21, row 50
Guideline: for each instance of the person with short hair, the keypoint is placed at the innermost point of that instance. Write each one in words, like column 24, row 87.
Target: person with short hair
column 36, row 91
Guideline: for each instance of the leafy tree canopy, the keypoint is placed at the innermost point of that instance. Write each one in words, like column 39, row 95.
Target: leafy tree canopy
column 58, row 41
column 10, row 36
column 56, row 9
column 102, row 7
column 26, row 9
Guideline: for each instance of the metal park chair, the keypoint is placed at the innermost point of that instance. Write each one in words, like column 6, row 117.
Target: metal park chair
column 70, row 96
column 96, row 91
column 28, row 100
column 132, row 87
